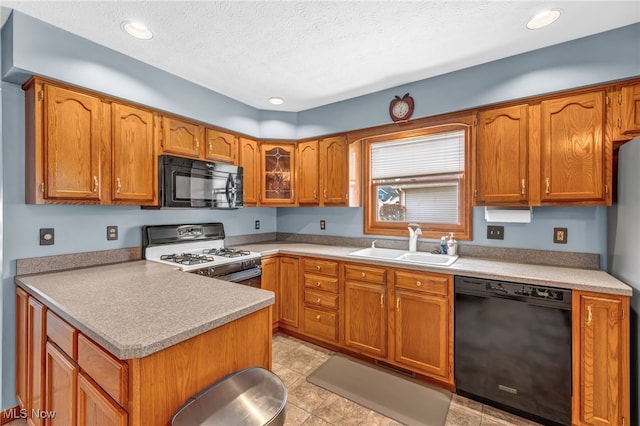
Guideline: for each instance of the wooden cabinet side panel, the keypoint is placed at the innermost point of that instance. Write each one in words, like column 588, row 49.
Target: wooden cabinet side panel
column 134, row 165
column 96, row 408
column 600, row 359
column 22, row 341
column 162, row 382
column 61, row 386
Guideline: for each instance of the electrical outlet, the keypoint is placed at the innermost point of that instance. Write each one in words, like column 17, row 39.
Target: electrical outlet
column 47, row 236
column 560, row 235
column 323, row 225
column 495, row 232
column 112, row 233
column 257, row 226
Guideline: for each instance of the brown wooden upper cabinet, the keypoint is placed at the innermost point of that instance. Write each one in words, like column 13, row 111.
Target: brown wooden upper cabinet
column 326, row 176
column 574, row 150
column 308, row 172
column 554, row 152
column 134, row 176
column 81, row 149
column 221, row 146
column 181, row 137
column 625, row 106
column 277, row 168
column 250, row 163
column 502, row 155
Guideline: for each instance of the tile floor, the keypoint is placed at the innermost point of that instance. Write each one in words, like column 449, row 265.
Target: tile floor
column 311, row 405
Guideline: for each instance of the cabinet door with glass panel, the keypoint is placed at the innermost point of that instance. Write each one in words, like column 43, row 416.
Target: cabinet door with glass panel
column 278, row 174
column 420, row 178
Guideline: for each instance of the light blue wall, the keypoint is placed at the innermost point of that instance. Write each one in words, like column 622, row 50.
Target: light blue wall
column 32, row 47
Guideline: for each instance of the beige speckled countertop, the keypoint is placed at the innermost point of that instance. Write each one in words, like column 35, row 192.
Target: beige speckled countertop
column 134, row 309
column 552, row 276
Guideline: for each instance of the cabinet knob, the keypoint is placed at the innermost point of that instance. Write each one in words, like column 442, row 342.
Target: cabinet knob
column 363, row 274
column 317, row 283
column 318, row 317
column 318, row 301
column 317, row 267
column 419, row 283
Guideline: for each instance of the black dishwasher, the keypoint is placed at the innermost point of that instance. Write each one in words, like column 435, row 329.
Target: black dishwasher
column 513, row 347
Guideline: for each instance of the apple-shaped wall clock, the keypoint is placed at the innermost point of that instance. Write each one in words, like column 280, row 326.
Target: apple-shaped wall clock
column 400, row 109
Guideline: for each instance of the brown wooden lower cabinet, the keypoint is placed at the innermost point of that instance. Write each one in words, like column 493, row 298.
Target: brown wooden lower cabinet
column 289, row 291
column 85, row 385
column 365, row 318
column 600, row 330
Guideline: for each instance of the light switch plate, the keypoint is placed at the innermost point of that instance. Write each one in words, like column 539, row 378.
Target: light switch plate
column 560, row 235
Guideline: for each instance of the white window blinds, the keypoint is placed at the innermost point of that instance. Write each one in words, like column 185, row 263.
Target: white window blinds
column 432, row 203
column 434, row 154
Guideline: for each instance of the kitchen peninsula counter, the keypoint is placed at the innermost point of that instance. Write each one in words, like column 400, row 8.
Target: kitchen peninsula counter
column 552, row 276
column 135, row 309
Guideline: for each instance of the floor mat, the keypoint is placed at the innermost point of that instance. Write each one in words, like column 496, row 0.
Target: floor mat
column 387, row 393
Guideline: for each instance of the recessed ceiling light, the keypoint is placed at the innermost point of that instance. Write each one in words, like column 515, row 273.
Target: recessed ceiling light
column 543, row 19
column 276, row 100
column 137, row 30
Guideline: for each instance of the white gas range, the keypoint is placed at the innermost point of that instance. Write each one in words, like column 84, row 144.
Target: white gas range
column 199, row 248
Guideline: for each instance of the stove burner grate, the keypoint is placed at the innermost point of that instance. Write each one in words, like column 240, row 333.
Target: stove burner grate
column 226, row 252
column 187, row 258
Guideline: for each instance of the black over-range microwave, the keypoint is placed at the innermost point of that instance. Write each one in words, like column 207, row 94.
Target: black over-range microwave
column 189, row 183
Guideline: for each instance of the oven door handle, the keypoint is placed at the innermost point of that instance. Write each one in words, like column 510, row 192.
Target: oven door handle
column 242, row 275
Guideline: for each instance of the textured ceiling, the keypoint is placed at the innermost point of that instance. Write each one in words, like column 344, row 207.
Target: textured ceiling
column 313, row 53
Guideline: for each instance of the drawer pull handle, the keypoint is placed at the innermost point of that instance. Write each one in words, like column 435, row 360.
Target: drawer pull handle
column 589, row 315
column 318, row 301
column 318, row 317
column 317, row 267
column 547, row 185
column 419, row 283
column 363, row 274
column 318, row 284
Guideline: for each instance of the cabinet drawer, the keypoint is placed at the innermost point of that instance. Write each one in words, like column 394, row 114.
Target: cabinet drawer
column 321, row 324
column 321, row 298
column 431, row 283
column 321, row 283
column 365, row 273
column 324, row 267
column 62, row 334
column 108, row 372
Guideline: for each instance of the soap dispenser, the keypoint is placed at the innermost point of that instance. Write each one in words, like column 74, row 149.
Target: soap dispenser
column 452, row 245
column 443, row 245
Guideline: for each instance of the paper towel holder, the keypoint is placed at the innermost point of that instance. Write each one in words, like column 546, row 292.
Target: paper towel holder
column 508, row 214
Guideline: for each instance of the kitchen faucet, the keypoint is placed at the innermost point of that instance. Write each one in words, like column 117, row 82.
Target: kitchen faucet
column 413, row 236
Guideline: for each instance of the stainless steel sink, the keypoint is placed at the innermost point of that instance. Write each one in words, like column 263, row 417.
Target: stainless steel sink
column 421, row 258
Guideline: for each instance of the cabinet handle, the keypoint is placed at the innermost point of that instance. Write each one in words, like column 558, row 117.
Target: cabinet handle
column 589, row 315
column 42, row 187
column 318, row 317
column 522, row 187
column 315, row 194
column 210, row 147
column 419, row 283
column 382, row 300
column 547, row 185
column 397, row 303
column 118, row 185
column 318, row 301
column 317, row 267
column 197, row 144
column 318, row 284
column 363, row 274
column 95, row 184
